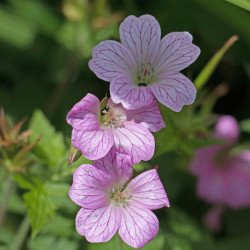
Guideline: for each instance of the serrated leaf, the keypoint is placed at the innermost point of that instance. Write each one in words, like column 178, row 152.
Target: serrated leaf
column 40, row 207
column 51, row 149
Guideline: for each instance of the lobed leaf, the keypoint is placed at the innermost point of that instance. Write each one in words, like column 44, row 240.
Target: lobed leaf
column 51, row 149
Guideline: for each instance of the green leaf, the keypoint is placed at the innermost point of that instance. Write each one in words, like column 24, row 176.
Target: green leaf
column 58, row 189
column 208, row 70
column 200, row 143
column 60, row 226
column 171, row 137
column 25, row 181
column 244, row 4
column 51, row 149
column 185, row 233
column 156, row 243
column 245, row 126
column 49, row 242
column 40, row 207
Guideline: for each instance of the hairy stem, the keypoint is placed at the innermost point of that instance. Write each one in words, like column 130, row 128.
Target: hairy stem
column 4, row 203
column 21, row 234
column 119, row 242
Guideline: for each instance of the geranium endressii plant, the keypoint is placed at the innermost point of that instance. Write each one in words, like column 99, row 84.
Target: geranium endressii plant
column 143, row 66
column 116, row 132
column 111, row 203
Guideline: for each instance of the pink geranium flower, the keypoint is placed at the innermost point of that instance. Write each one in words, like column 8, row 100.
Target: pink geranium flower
column 143, row 66
column 110, row 203
column 223, row 177
column 98, row 127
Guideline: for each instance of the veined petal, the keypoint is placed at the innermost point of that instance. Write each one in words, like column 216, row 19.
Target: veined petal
column 122, row 90
column 142, row 37
column 98, row 225
column 174, row 90
column 135, row 140
column 84, row 114
column 149, row 116
column 93, row 144
column 148, row 190
column 138, row 226
column 110, row 59
column 176, row 52
column 118, row 166
column 89, row 187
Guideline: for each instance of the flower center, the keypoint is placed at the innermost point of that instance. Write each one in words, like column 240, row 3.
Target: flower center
column 110, row 118
column 144, row 75
column 119, row 196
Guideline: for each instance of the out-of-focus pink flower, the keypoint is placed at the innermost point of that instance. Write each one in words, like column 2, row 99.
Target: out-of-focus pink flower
column 98, row 127
column 143, row 66
column 227, row 128
column 110, row 203
column 213, row 217
column 223, row 177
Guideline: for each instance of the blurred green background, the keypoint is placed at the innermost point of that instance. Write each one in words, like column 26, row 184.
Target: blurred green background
column 45, row 47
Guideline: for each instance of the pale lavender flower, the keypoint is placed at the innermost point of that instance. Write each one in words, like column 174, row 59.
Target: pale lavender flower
column 223, row 177
column 98, row 127
column 110, row 203
column 143, row 66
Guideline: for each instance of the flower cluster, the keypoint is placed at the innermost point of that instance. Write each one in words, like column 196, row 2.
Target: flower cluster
column 223, row 175
column 116, row 132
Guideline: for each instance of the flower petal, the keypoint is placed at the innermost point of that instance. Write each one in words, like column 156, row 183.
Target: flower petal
column 93, row 144
column 110, row 59
column 148, row 190
column 174, row 90
column 83, row 116
column 135, row 140
column 88, row 189
column 149, row 116
column 122, row 90
column 138, row 226
column 98, row 225
column 116, row 165
column 176, row 52
column 142, row 36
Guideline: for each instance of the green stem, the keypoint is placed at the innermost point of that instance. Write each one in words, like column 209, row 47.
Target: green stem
column 119, row 242
column 21, row 234
column 4, row 203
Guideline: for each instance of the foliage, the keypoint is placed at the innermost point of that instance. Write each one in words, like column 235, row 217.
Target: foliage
column 45, row 48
